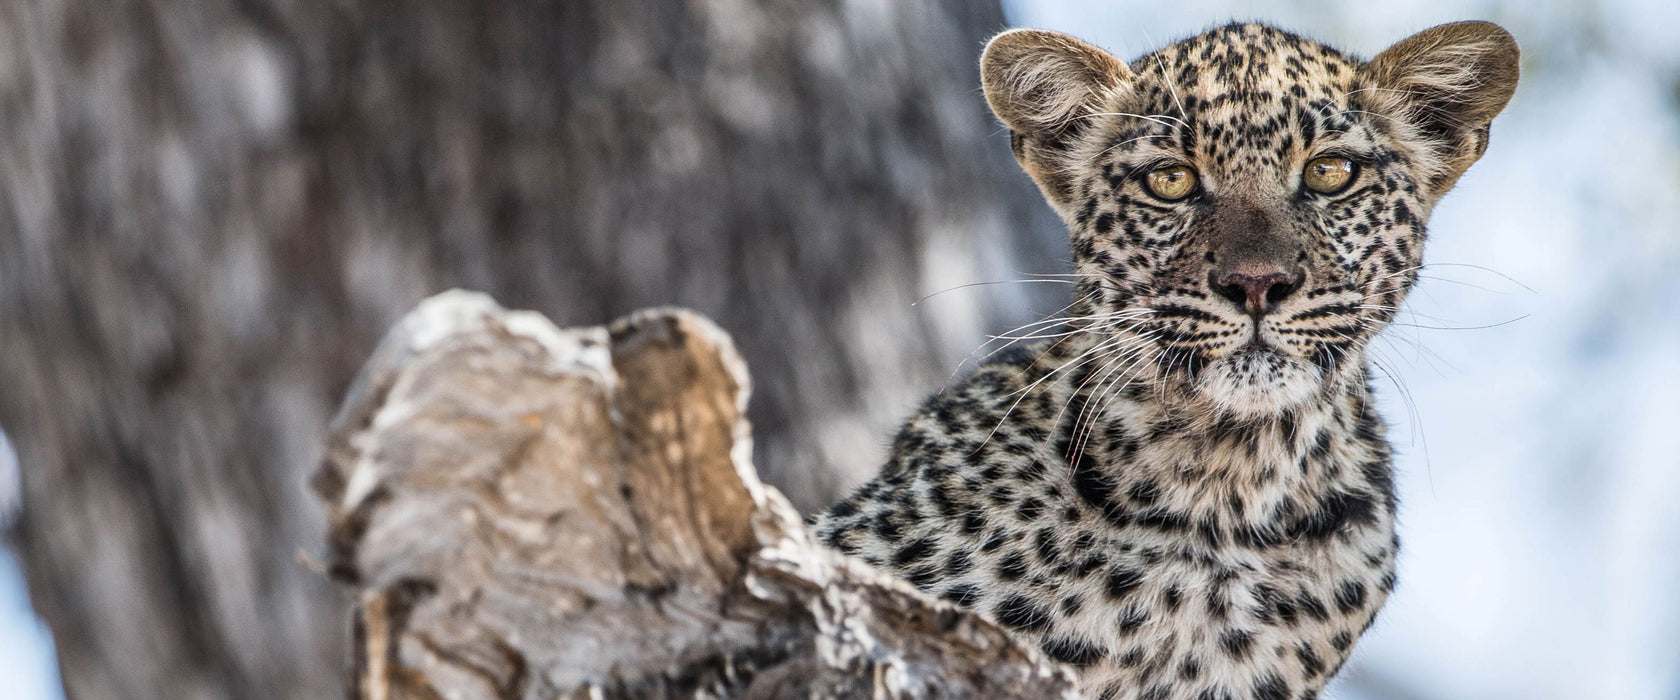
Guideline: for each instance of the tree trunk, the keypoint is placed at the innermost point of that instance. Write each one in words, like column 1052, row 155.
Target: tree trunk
column 209, row 211
column 526, row 512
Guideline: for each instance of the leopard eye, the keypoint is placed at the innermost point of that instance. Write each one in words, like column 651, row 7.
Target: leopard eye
column 1329, row 175
column 1171, row 183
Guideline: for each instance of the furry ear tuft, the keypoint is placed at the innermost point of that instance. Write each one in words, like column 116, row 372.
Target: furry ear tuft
column 1042, row 85
column 1450, row 82
column 1039, row 81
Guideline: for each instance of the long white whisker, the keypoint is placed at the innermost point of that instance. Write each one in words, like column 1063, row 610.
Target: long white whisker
column 984, row 284
column 1156, row 118
column 1077, row 361
column 1167, row 80
column 1506, row 277
column 1094, row 406
column 1037, row 324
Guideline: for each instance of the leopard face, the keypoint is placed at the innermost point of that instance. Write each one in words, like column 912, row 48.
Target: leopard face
column 1247, row 208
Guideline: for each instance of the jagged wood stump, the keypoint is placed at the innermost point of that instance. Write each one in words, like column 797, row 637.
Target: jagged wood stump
column 529, row 512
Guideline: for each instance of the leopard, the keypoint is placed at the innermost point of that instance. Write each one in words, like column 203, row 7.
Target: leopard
column 1178, row 485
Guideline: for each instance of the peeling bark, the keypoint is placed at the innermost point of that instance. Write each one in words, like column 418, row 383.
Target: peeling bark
column 528, row 512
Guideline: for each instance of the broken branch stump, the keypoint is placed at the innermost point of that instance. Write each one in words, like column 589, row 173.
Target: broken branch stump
column 529, row 512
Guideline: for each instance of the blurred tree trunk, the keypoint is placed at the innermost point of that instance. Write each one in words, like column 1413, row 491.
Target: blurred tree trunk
column 209, row 211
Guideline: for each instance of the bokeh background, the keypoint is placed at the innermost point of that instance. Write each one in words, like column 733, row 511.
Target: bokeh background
column 210, row 210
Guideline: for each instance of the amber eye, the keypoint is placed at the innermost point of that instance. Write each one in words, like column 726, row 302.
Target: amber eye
column 1329, row 175
column 1171, row 183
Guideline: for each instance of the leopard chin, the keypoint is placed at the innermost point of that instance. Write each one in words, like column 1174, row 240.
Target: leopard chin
column 1258, row 382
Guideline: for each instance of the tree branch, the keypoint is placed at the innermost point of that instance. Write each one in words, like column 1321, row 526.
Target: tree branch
column 528, row 512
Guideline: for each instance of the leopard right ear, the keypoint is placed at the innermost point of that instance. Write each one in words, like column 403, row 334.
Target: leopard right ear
column 1043, row 85
column 1448, row 82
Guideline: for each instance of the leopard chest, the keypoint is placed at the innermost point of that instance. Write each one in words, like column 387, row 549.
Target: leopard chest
column 1150, row 602
column 1165, row 618
column 1161, row 562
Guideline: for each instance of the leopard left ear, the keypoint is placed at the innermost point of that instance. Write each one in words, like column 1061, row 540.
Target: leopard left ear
column 1044, row 86
column 1449, row 82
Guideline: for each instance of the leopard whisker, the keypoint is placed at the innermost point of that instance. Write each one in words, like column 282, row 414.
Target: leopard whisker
column 1165, row 80
column 1156, row 118
column 1145, row 137
column 1489, row 270
column 1094, row 407
column 1038, row 334
column 1459, row 328
column 1079, row 360
column 985, row 284
column 1368, row 112
column 970, row 356
column 1414, row 417
column 1054, row 319
column 1351, row 93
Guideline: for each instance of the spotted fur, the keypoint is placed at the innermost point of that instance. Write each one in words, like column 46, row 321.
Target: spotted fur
column 1184, row 491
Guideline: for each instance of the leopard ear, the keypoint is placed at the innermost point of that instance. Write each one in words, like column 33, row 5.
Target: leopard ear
column 1040, row 81
column 1043, row 84
column 1449, row 82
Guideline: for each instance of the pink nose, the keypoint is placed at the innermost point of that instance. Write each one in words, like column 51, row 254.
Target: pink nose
column 1256, row 288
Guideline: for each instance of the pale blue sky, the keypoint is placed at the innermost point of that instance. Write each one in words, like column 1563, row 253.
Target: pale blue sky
column 27, row 669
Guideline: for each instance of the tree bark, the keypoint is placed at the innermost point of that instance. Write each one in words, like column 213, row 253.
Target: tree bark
column 526, row 512
column 208, row 211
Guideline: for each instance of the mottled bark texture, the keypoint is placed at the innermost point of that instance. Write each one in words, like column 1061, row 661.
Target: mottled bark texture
column 528, row 512
column 209, row 210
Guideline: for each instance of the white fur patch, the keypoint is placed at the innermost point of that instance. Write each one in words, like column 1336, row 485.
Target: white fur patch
column 1253, row 383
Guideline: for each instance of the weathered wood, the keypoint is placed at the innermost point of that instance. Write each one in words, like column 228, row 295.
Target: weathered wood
column 527, row 512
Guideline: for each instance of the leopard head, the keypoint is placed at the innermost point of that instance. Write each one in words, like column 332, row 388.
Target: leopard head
column 1247, row 208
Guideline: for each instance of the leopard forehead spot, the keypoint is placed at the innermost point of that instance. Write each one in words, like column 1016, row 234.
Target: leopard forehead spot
column 1243, row 100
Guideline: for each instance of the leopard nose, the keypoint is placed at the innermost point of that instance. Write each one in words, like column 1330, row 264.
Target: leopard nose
column 1256, row 288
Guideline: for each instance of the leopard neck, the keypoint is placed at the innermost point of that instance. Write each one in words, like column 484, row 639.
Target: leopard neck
column 1142, row 452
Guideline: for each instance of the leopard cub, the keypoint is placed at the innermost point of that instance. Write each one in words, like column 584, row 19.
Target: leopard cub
column 1183, row 491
